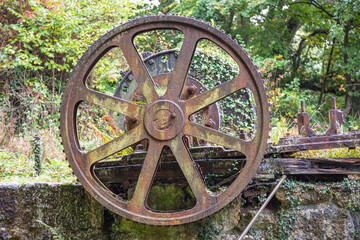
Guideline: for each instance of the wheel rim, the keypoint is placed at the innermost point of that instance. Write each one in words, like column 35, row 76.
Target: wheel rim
column 174, row 113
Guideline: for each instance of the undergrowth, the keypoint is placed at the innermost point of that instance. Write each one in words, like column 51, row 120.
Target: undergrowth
column 330, row 153
column 17, row 160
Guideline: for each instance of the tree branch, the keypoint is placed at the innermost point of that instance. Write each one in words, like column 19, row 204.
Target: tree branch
column 327, row 72
column 296, row 57
column 315, row 4
column 312, row 86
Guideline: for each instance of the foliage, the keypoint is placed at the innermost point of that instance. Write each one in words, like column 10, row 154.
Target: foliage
column 159, row 40
column 106, row 74
column 29, row 104
column 210, row 231
column 43, row 41
column 330, row 153
column 37, row 151
column 52, row 35
column 107, row 131
column 55, row 234
column 17, row 160
column 285, row 101
column 16, row 167
column 213, row 66
column 311, row 42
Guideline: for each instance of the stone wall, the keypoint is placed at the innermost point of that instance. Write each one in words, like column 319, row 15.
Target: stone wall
column 55, row 211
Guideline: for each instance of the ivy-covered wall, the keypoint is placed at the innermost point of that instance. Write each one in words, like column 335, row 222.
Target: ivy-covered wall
column 299, row 211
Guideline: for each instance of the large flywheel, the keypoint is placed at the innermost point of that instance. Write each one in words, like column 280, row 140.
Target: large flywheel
column 163, row 119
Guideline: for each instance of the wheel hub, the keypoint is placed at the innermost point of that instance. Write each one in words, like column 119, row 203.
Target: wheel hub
column 164, row 120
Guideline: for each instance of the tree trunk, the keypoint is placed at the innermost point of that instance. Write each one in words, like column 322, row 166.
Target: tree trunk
column 327, row 72
column 230, row 21
column 296, row 59
column 351, row 103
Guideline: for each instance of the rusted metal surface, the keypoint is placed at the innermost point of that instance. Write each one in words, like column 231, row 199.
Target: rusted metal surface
column 210, row 114
column 349, row 140
column 163, row 120
column 212, row 160
column 303, row 122
column 335, row 117
column 216, row 160
column 336, row 120
column 311, row 166
column 160, row 65
column 334, row 137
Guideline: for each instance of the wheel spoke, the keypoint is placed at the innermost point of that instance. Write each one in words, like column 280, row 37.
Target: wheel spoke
column 190, row 170
column 216, row 137
column 138, row 68
column 215, row 94
column 127, row 139
column 147, row 175
column 183, row 63
column 112, row 103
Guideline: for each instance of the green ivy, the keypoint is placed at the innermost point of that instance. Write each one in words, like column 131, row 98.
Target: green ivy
column 42, row 43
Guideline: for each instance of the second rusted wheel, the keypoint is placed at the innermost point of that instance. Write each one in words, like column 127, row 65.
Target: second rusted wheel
column 163, row 120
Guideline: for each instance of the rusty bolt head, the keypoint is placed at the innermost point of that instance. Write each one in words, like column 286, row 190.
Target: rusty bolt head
column 242, row 134
column 209, row 123
column 132, row 120
column 192, row 89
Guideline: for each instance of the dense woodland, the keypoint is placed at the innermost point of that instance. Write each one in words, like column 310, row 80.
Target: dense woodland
column 299, row 45
column 305, row 50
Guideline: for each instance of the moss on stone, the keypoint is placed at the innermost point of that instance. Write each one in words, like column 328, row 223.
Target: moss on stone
column 143, row 231
column 169, row 197
column 301, row 210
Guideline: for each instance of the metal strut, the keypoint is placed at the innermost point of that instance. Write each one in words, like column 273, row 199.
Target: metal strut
column 262, row 207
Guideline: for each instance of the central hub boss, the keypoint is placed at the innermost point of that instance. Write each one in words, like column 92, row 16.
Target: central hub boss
column 164, row 120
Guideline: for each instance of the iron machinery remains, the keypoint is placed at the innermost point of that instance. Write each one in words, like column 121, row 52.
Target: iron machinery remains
column 174, row 122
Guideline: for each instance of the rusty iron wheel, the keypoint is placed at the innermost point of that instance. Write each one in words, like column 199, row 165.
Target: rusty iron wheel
column 164, row 120
column 161, row 74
